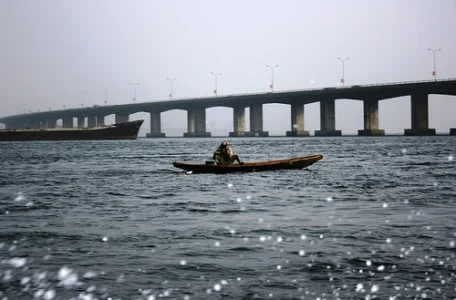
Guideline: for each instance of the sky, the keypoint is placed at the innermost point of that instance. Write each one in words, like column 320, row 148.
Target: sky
column 52, row 51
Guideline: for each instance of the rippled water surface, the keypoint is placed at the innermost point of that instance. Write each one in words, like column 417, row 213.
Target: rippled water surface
column 114, row 220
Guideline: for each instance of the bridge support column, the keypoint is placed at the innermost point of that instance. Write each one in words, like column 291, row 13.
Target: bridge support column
column 81, row 122
column 91, row 121
column 35, row 125
column 51, row 123
column 122, row 118
column 328, row 119
column 196, row 123
column 256, row 122
column 67, row 122
column 452, row 131
column 238, row 122
column 371, row 120
column 155, row 126
column 100, row 120
column 297, row 121
column 420, row 116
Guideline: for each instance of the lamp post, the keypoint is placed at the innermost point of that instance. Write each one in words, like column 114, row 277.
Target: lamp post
column 343, row 69
column 171, row 88
column 84, row 98
column 134, row 90
column 272, row 79
column 65, row 95
column 106, row 94
column 216, row 74
column 434, row 72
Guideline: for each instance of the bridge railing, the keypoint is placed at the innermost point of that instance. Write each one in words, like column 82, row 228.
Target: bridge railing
column 304, row 90
column 256, row 93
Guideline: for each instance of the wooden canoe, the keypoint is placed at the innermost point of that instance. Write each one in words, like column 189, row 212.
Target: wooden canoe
column 271, row 165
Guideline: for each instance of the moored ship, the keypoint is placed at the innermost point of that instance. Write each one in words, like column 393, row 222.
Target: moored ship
column 118, row 131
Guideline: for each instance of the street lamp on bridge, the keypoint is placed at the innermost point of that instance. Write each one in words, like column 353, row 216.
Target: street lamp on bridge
column 216, row 74
column 434, row 72
column 343, row 69
column 65, row 95
column 171, row 88
column 134, row 90
column 106, row 94
column 85, row 94
column 272, row 79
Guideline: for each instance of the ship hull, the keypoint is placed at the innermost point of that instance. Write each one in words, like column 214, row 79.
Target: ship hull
column 119, row 131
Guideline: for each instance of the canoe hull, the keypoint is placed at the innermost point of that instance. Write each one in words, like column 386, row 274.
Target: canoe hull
column 272, row 165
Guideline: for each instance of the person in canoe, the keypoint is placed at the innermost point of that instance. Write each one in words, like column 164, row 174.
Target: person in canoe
column 224, row 155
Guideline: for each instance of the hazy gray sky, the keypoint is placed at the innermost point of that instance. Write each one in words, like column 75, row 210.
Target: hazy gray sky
column 52, row 49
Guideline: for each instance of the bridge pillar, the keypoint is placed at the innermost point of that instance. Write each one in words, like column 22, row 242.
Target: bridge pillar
column 51, row 123
column 420, row 116
column 67, row 122
column 328, row 119
column 91, row 121
column 238, row 122
column 100, row 120
column 34, row 125
column 371, row 119
column 256, row 122
column 81, row 122
column 452, row 131
column 196, row 123
column 155, row 126
column 297, row 121
column 122, row 118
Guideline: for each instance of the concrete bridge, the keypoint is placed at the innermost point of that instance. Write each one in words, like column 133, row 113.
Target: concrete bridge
column 297, row 99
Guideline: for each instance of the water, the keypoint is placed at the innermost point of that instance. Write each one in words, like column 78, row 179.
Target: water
column 114, row 220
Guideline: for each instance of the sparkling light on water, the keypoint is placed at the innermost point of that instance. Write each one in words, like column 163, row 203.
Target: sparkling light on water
column 359, row 287
column 19, row 197
column 17, row 262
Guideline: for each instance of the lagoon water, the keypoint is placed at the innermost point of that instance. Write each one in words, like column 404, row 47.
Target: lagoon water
column 375, row 219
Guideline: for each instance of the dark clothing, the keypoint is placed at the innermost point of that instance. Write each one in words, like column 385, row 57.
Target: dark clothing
column 225, row 155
